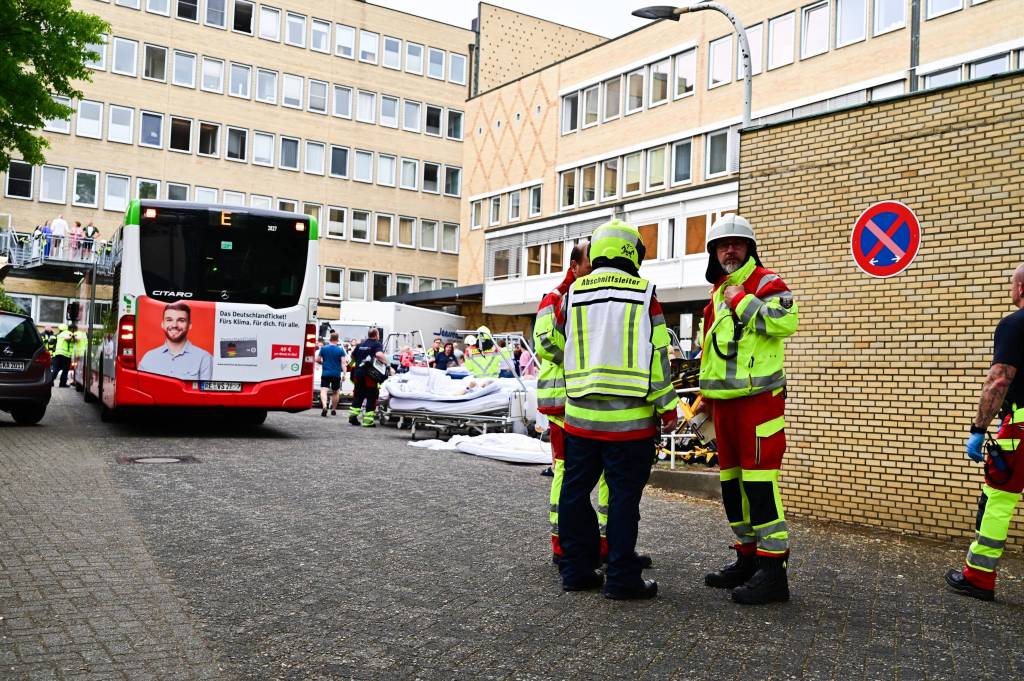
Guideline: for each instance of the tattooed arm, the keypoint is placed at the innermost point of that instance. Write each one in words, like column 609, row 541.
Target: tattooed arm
column 1000, row 376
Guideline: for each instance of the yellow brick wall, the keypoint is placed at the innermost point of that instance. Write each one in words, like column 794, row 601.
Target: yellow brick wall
column 884, row 374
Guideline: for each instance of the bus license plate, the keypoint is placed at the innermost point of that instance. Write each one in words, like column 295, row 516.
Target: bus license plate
column 11, row 366
column 220, row 386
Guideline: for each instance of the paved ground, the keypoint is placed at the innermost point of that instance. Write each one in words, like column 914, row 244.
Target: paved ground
column 308, row 549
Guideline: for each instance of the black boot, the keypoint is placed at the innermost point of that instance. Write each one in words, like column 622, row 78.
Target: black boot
column 768, row 585
column 734, row 574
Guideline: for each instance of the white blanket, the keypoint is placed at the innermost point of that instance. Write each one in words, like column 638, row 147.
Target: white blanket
column 500, row 446
column 430, row 390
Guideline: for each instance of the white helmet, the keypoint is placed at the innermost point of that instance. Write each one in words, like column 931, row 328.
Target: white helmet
column 470, row 340
column 728, row 225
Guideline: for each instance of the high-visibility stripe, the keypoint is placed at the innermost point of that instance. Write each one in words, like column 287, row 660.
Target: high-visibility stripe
column 766, row 279
column 729, row 473
column 631, row 332
column 990, row 543
column 772, row 545
column 776, row 380
column 617, row 371
column 603, row 424
column 979, row 562
column 602, row 510
column 769, row 428
column 608, row 404
column 751, row 306
column 580, row 336
column 743, row 531
column 753, row 475
column 774, row 527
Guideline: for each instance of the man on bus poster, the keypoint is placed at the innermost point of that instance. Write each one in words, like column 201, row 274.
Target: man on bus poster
column 178, row 357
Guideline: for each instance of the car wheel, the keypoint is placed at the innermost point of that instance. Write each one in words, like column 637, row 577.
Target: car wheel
column 28, row 416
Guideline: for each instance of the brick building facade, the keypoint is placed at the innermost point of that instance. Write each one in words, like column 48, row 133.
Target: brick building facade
column 886, row 373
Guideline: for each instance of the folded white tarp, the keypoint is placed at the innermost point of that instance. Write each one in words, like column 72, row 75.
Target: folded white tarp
column 510, row 447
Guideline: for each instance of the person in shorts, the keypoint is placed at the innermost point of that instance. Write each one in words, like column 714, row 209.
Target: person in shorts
column 330, row 357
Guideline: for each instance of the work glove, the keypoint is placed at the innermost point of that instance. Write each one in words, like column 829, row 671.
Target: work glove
column 974, row 443
column 570, row 277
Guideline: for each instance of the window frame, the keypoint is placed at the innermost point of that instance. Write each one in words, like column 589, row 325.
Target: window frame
column 108, row 198
column 373, row 284
column 605, row 99
column 288, row 16
column 805, row 13
column 584, row 96
column 673, row 182
column 455, row 226
column 648, row 167
column 423, row 178
column 341, row 282
column 199, row 136
column 174, row 69
column 667, row 63
column 444, row 184
column 875, row 30
column 372, row 120
column 494, row 210
column 202, row 74
column 758, row 68
column 313, row 144
column 287, row 78
column 444, row 62
column 310, row 83
column 642, row 72
column 517, row 204
column 248, row 80
column 262, row 134
column 423, row 52
column 476, row 214
column 142, row 114
column 416, row 173
column 929, row 14
column 96, row 189
column 381, row 180
column 170, row 134
column 603, row 170
column 562, row 176
column 206, row 15
column 146, row 47
column 398, row 232
column 1006, row 57
column 335, row 89
column 398, row 105
column 344, row 223
column 256, row 94
column 772, row 23
column 131, row 124
column 422, row 243
column 376, row 47
column 539, row 188
column 623, row 171
column 277, row 24
column 707, row 153
column 313, row 24
column 228, row 129
column 102, row 49
column 214, row 194
column 837, row 21
column 461, row 115
column 62, row 125
column 362, row 153
column 252, row 17
column 390, row 218
column 348, row 162
column 135, row 56
column 42, row 184
column 187, row 3
column 167, row 190
column 452, row 56
column 237, row 198
column 151, row 10
column 98, row 122
column 406, row 103
column 570, row 126
column 281, row 139
column 340, row 31
column 440, row 120
column 384, row 52
column 676, row 95
column 31, row 181
column 352, row 223
column 728, row 39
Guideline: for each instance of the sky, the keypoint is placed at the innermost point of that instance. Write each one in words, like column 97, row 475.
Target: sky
column 609, row 18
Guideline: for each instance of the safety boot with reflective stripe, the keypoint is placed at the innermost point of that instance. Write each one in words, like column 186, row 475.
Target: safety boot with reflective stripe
column 769, row 584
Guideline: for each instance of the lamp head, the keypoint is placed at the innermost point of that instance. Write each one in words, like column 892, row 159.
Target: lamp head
column 657, row 12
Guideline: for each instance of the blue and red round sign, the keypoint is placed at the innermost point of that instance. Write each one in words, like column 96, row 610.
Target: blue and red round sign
column 885, row 239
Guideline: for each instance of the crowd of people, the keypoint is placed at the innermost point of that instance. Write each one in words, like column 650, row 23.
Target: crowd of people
column 60, row 240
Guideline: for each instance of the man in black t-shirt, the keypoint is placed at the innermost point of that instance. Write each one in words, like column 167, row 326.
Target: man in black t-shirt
column 366, row 388
column 1004, row 473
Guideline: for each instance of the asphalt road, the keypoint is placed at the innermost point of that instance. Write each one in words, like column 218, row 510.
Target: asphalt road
column 310, row 549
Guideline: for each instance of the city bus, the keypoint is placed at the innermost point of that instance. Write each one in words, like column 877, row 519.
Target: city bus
column 209, row 306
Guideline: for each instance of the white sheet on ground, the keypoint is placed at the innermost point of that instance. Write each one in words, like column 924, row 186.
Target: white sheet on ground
column 509, row 447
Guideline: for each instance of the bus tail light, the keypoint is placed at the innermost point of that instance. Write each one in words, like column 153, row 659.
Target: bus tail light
column 309, row 350
column 126, row 341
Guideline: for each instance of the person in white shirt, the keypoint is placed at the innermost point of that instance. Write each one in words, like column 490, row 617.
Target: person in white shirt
column 59, row 228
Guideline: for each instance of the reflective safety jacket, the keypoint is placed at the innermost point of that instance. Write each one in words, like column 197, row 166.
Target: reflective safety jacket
column 615, row 357
column 65, row 344
column 549, row 343
column 742, row 353
column 483, row 364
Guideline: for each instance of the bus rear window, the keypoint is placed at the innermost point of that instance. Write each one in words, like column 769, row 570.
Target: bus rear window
column 200, row 254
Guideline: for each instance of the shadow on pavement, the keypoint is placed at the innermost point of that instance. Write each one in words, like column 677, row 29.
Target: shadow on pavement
column 205, row 423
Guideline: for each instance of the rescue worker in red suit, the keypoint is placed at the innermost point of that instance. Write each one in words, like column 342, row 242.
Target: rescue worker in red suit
column 1004, row 474
column 744, row 385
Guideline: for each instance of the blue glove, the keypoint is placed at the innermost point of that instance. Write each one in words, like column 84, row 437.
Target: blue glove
column 974, row 443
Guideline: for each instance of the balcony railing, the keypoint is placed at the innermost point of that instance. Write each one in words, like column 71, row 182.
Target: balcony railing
column 26, row 251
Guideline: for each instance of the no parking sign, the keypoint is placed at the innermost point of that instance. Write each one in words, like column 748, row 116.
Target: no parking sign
column 885, row 239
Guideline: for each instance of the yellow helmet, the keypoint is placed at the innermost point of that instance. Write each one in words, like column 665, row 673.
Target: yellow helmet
column 617, row 239
column 483, row 331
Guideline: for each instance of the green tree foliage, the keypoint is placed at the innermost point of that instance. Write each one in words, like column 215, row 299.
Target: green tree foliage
column 7, row 304
column 44, row 46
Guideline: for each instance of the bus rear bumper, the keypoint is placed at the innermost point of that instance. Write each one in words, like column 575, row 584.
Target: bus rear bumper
column 138, row 389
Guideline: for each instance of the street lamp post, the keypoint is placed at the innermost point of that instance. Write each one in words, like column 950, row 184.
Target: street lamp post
column 673, row 13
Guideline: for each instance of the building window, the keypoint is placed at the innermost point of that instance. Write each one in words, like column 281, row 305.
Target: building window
column 332, row 282
column 381, row 285
column 410, row 173
column 659, row 82
column 392, row 58
column 940, row 78
column 181, row 135
column 686, row 73
column 389, row 111
column 894, row 89
column 85, row 188
column 89, row 122
column 889, row 15
column 634, row 91
column 366, row 107
column 656, row 167
column 414, row 58
column 187, row 10
column 19, row 180
column 241, row 80
column 411, row 116
column 317, row 99
column 386, row 169
column 263, row 144
column 609, row 178
column 448, row 283
column 356, row 285
column 570, row 112
column 120, row 124
column 814, row 27
column 184, row 69
column 53, row 184
column 61, row 125
column 151, row 130
column 364, row 166
column 315, row 152
column 452, row 181
column 936, row 8
column 360, row 225
column 851, row 21
column 52, row 310
column 232, row 198
column 435, row 63
column 535, row 196
column 495, row 213
column 649, row 235
column 115, row 195
column 454, row 125
column 238, row 144
column 682, row 155
column 259, row 201
column 476, row 214
column 450, row 238
column 125, row 57
column 383, row 232
column 295, row 29
column 567, row 182
column 154, row 63
column 209, row 139
column 336, row 222
column 100, row 50
column 270, row 23
column 591, row 106
column 288, row 159
column 426, row 284
column 266, row 86
column 213, row 75
column 431, row 177
column 433, row 120
column 134, row 4
column 339, row 161
column 991, row 66
column 320, row 36
column 513, row 205
column 177, row 192
column 406, row 232
column 612, row 98
column 457, row 68
column 633, row 172
column 720, row 61
column 755, row 37
column 342, row 101
column 780, row 40
column 717, row 153
column 403, row 284
column 242, row 17
column 368, row 42
column 209, row 195
column 291, row 91
column 428, row 235
column 216, row 13
column 588, row 184
column 344, row 41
